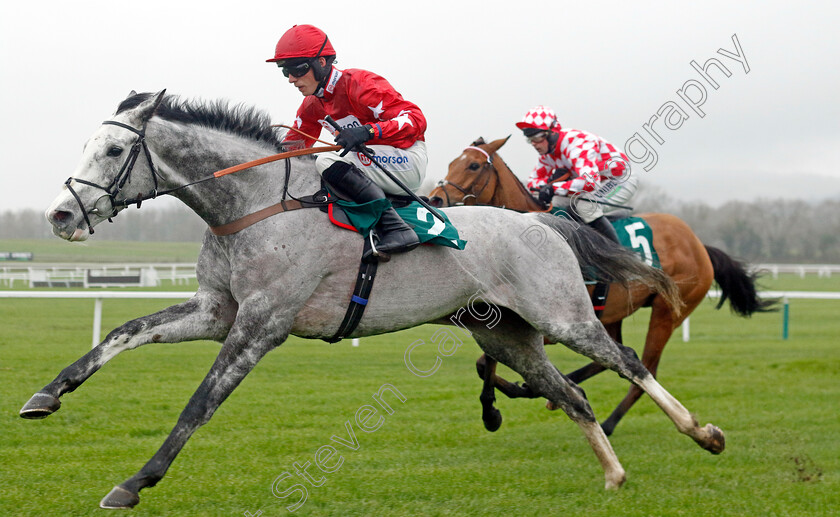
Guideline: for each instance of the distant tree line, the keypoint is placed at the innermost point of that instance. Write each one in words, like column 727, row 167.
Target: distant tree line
column 766, row 230
column 781, row 231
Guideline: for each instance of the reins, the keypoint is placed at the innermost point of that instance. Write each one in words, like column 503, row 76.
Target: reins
column 261, row 161
column 124, row 176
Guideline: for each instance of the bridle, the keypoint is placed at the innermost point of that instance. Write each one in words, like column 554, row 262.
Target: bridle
column 119, row 181
column 124, row 176
column 472, row 192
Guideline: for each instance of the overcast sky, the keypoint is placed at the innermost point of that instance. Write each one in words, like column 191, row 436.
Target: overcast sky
column 474, row 68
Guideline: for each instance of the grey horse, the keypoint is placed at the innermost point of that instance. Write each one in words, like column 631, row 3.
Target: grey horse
column 293, row 273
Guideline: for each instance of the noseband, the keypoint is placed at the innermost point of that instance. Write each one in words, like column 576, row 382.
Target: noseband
column 471, row 193
column 123, row 177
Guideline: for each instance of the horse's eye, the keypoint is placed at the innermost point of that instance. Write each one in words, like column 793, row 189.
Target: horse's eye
column 474, row 166
column 115, row 151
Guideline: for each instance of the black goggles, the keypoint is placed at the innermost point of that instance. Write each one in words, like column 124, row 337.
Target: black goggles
column 537, row 137
column 298, row 70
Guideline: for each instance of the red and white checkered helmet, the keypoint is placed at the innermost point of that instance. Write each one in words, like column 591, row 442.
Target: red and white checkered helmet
column 541, row 117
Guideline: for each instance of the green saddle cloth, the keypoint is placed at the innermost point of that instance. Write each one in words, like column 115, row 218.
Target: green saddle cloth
column 428, row 228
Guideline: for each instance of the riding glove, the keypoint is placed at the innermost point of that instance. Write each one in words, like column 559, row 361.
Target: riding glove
column 350, row 138
column 546, row 193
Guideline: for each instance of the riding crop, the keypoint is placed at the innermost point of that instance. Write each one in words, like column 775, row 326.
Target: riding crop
column 367, row 152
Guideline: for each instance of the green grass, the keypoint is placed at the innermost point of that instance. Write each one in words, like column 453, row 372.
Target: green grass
column 775, row 399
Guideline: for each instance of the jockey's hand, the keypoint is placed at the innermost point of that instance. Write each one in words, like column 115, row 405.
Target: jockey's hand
column 546, row 193
column 561, row 174
column 351, row 138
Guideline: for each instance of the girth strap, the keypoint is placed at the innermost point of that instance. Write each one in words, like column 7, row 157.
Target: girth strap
column 599, row 298
column 359, row 300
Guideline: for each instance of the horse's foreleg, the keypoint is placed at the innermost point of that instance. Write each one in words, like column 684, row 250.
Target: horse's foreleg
column 196, row 318
column 585, row 372
column 511, row 390
column 238, row 356
column 590, row 340
column 491, row 416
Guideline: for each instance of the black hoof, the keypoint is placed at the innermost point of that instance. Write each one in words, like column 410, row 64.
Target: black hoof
column 119, row 498
column 493, row 421
column 41, row 405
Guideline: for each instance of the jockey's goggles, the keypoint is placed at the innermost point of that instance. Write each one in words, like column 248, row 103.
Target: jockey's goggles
column 297, row 70
column 537, row 138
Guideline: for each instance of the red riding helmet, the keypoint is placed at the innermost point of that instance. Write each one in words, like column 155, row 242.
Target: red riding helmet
column 541, row 118
column 302, row 41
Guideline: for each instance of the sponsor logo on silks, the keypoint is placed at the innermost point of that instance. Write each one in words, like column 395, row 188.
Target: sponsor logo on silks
column 343, row 123
column 382, row 160
column 608, row 189
column 334, row 77
column 396, row 160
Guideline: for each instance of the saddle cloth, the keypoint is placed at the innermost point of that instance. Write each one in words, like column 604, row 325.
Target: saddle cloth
column 633, row 233
column 363, row 217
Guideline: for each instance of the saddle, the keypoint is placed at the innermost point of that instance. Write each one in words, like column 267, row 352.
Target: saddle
column 363, row 217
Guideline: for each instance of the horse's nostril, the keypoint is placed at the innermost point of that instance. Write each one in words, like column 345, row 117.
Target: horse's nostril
column 59, row 216
column 435, row 201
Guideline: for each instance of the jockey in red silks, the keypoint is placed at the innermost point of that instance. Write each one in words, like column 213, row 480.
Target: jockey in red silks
column 575, row 165
column 369, row 110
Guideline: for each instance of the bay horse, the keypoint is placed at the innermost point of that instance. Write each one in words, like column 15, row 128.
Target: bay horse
column 293, row 273
column 479, row 176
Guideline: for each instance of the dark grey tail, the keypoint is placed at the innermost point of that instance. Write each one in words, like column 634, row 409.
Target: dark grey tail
column 737, row 285
column 605, row 261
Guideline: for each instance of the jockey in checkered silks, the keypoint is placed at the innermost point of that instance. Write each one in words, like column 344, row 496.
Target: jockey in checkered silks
column 575, row 168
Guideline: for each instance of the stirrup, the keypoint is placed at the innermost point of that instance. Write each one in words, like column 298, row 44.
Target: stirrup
column 372, row 244
column 374, row 255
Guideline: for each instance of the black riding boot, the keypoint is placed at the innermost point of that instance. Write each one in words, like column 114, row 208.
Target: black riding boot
column 601, row 290
column 348, row 182
column 603, row 226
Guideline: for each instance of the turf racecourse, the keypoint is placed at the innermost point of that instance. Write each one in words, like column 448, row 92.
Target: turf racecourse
column 776, row 400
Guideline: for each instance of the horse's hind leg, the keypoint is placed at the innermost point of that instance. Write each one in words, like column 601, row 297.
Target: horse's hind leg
column 521, row 348
column 592, row 369
column 591, row 340
column 660, row 328
column 200, row 317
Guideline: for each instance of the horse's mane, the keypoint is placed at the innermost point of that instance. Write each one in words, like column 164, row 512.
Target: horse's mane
column 245, row 121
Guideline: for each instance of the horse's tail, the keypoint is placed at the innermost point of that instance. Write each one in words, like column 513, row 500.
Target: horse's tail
column 737, row 285
column 606, row 261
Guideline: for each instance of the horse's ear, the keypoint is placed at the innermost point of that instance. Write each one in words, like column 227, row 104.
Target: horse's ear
column 132, row 93
column 479, row 141
column 496, row 144
column 158, row 98
column 146, row 109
